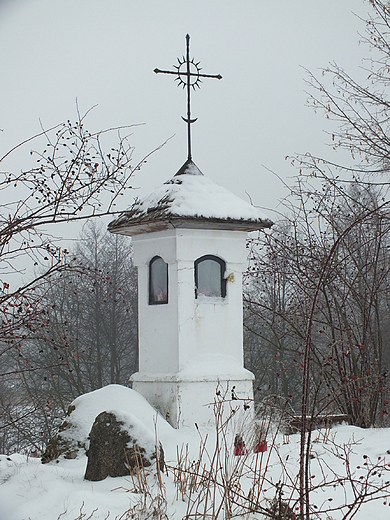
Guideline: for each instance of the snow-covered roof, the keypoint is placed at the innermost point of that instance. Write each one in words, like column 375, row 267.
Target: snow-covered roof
column 189, row 199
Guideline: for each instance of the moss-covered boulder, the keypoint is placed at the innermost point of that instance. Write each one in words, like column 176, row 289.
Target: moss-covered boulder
column 120, row 444
column 72, row 440
column 64, row 443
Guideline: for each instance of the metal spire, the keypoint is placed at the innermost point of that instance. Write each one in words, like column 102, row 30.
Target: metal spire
column 188, row 75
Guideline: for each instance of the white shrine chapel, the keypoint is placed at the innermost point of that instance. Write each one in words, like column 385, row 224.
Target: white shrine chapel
column 189, row 239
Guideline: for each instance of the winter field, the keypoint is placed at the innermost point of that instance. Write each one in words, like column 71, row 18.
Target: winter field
column 203, row 477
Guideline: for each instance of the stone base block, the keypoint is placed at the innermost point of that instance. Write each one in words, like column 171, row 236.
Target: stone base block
column 184, row 401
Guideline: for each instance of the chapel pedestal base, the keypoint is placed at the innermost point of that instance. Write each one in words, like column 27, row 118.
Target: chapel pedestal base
column 185, row 400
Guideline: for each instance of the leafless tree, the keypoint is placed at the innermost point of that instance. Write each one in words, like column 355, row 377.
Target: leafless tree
column 89, row 339
column 79, row 175
column 337, row 252
column 74, row 179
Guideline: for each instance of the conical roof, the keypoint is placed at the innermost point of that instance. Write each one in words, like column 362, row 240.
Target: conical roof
column 189, row 200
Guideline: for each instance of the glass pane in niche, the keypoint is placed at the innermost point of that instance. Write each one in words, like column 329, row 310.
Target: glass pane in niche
column 209, row 278
column 158, row 281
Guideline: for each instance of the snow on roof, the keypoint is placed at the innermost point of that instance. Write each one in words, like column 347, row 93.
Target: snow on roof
column 189, row 195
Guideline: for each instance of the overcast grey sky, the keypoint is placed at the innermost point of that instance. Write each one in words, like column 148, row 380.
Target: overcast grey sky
column 104, row 51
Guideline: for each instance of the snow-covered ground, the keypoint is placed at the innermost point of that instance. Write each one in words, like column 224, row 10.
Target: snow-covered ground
column 30, row 490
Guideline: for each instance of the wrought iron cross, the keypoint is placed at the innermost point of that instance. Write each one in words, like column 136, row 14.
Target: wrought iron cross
column 188, row 75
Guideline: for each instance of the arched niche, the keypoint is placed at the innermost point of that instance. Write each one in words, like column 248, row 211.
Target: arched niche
column 158, row 281
column 210, row 279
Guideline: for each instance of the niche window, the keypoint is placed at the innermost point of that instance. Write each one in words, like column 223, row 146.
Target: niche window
column 209, row 277
column 158, row 281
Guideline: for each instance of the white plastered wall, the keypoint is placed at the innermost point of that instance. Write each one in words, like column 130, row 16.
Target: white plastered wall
column 189, row 345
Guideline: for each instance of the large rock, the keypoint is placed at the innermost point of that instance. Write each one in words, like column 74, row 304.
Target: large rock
column 120, row 444
column 72, row 439
column 63, row 443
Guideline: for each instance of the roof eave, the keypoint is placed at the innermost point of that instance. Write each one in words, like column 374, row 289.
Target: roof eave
column 145, row 225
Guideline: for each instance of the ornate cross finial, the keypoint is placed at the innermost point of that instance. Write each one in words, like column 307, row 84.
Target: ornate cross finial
column 188, row 75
